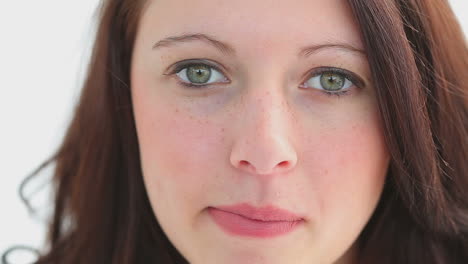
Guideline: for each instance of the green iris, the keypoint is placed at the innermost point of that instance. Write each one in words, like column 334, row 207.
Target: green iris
column 332, row 81
column 198, row 73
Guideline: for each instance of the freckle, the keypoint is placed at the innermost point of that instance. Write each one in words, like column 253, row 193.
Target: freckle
column 177, row 110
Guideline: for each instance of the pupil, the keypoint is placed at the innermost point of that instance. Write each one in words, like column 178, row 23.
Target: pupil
column 198, row 74
column 332, row 81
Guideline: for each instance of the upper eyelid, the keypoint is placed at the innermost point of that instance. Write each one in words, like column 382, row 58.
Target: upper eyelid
column 353, row 77
column 186, row 63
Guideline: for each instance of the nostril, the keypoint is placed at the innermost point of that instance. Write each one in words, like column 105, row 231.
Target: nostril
column 283, row 164
column 280, row 166
column 244, row 163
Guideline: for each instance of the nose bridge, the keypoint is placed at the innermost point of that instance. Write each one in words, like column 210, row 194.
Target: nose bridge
column 265, row 99
column 262, row 144
column 266, row 110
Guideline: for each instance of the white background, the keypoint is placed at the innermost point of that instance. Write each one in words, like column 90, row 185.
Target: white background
column 44, row 48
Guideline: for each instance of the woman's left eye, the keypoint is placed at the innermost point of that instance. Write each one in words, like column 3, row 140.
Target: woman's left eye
column 199, row 74
column 333, row 81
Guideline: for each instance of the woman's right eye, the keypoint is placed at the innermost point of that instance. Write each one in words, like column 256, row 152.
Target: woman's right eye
column 199, row 75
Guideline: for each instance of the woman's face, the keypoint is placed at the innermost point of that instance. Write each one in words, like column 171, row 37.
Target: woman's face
column 276, row 126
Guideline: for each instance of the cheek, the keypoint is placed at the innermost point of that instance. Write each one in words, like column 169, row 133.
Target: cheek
column 351, row 154
column 349, row 163
column 177, row 151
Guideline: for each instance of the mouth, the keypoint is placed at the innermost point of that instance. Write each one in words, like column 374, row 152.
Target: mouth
column 246, row 220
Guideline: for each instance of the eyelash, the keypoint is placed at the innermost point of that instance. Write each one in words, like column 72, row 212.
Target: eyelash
column 355, row 81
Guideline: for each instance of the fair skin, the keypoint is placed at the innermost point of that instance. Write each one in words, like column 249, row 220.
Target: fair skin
column 255, row 134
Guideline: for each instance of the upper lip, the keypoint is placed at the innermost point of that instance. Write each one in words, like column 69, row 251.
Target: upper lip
column 266, row 213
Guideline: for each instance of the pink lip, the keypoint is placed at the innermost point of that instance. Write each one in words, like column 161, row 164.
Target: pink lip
column 246, row 220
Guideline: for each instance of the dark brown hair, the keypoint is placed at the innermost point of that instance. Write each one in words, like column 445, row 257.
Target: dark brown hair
column 418, row 59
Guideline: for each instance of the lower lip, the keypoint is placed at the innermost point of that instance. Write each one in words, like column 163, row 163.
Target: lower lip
column 238, row 225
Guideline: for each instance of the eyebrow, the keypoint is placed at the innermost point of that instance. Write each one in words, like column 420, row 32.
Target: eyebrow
column 227, row 49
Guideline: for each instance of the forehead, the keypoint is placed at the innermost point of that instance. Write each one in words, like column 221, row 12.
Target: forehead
column 255, row 26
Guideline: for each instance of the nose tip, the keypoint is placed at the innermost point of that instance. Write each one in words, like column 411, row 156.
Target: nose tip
column 264, row 157
column 262, row 142
column 282, row 167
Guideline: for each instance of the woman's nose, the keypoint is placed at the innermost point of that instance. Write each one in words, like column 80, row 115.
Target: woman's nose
column 262, row 143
